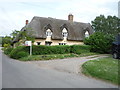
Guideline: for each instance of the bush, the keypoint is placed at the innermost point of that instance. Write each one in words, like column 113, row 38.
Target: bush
column 16, row 50
column 6, row 45
column 8, row 50
column 99, row 42
column 21, row 54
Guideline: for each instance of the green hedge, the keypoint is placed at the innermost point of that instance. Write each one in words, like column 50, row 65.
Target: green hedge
column 7, row 51
column 78, row 49
column 42, row 50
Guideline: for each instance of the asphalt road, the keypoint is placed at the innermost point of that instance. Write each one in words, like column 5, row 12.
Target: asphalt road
column 0, row 69
column 17, row 74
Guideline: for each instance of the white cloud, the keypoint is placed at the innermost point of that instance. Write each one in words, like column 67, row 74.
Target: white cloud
column 14, row 15
column 29, row 0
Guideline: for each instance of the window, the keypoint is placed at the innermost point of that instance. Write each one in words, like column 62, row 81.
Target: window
column 64, row 32
column 38, row 43
column 48, row 32
column 86, row 34
column 62, row 43
column 47, row 43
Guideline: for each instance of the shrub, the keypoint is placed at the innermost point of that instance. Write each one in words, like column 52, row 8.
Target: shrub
column 15, row 51
column 99, row 42
column 8, row 50
column 21, row 54
column 6, row 45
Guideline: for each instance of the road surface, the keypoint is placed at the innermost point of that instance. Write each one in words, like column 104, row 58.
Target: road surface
column 17, row 74
column 0, row 69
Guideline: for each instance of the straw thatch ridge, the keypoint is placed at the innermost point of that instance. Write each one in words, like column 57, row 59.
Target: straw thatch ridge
column 76, row 30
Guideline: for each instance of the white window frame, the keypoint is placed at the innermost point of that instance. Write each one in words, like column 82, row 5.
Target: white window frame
column 87, row 34
column 64, row 32
column 48, row 33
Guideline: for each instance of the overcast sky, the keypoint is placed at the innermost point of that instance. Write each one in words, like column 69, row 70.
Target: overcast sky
column 13, row 13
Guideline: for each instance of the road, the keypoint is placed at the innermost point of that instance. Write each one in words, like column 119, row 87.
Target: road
column 17, row 74
column 0, row 69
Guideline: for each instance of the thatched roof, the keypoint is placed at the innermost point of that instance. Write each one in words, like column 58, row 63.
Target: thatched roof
column 76, row 30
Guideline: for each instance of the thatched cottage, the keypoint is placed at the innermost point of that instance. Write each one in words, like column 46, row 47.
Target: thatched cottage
column 51, row 31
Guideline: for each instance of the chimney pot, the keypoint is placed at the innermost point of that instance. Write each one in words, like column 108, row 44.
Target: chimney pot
column 70, row 17
column 26, row 22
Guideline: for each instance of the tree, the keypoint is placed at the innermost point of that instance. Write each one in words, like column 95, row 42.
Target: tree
column 14, row 33
column 0, row 41
column 99, row 42
column 6, row 41
column 27, row 34
column 109, row 25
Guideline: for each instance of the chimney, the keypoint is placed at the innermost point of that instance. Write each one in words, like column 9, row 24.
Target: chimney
column 70, row 17
column 26, row 22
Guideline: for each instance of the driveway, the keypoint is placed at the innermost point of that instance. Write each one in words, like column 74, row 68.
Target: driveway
column 70, row 65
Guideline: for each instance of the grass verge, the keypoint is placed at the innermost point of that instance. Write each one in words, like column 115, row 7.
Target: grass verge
column 47, row 57
column 54, row 56
column 103, row 68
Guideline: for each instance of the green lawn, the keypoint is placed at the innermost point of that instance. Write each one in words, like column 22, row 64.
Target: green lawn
column 54, row 56
column 104, row 68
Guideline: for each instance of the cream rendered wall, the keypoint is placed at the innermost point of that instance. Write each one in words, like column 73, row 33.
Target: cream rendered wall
column 56, row 42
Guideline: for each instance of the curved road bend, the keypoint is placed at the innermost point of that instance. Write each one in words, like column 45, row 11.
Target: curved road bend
column 17, row 74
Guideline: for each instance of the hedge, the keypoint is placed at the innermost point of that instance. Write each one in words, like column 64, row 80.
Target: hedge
column 78, row 49
column 7, row 51
column 42, row 50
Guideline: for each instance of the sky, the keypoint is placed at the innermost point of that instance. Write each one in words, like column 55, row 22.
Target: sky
column 13, row 13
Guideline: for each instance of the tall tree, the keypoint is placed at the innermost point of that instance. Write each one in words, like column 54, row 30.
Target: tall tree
column 109, row 25
column 27, row 34
column 15, row 33
column 6, row 40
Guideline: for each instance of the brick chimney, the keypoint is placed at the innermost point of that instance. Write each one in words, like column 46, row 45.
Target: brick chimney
column 26, row 22
column 70, row 17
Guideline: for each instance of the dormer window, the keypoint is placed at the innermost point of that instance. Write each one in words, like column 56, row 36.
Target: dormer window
column 64, row 32
column 86, row 34
column 48, row 33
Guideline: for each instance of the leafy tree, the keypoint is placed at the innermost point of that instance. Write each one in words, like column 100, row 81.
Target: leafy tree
column 99, row 42
column 22, row 35
column 6, row 41
column 105, row 31
column 109, row 25
column 0, row 41
column 25, row 35
column 14, row 33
